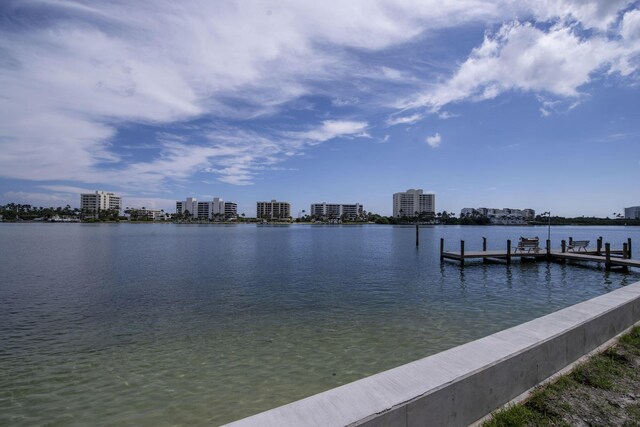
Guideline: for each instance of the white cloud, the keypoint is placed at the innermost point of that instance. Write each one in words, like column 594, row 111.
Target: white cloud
column 598, row 14
column 526, row 58
column 39, row 199
column 434, row 140
column 72, row 73
column 404, row 120
column 631, row 25
column 331, row 129
column 168, row 205
column 67, row 189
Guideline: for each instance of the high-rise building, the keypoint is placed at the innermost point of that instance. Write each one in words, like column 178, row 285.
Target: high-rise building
column 632, row 213
column 413, row 202
column 100, row 201
column 336, row 210
column 230, row 210
column 273, row 210
column 214, row 209
column 187, row 207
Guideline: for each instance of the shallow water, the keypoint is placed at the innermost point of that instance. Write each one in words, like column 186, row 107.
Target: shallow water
column 163, row 324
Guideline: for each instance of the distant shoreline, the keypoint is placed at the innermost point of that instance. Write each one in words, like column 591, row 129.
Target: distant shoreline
column 629, row 223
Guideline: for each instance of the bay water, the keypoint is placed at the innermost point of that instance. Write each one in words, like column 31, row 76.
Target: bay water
column 166, row 324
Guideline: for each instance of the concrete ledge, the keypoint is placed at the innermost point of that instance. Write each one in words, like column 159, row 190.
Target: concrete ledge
column 463, row 384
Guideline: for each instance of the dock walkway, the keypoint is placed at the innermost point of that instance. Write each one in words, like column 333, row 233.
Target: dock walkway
column 610, row 257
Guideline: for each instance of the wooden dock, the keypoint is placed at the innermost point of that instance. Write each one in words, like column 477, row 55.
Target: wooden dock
column 609, row 257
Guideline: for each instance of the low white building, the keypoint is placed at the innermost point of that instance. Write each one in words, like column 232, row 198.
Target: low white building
column 143, row 214
column 413, row 202
column 501, row 216
column 632, row 213
column 336, row 210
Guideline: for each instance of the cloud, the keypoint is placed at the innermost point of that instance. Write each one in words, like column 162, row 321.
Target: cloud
column 331, row 129
column 39, row 199
column 74, row 73
column 240, row 154
column 521, row 57
column 434, row 140
column 404, row 120
column 67, row 189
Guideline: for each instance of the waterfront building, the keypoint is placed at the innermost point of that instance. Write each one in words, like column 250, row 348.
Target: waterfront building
column 230, row 210
column 413, row 202
column 501, row 216
column 187, row 207
column 100, row 201
column 632, row 213
column 143, row 214
column 273, row 210
column 336, row 210
column 215, row 209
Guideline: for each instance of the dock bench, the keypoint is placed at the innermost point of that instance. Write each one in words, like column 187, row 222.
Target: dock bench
column 530, row 244
column 576, row 245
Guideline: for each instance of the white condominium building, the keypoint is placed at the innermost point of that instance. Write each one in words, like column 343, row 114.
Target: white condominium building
column 336, row 210
column 230, row 209
column 413, row 202
column 187, row 207
column 273, row 210
column 205, row 210
column 100, row 201
column 632, row 213
column 501, row 216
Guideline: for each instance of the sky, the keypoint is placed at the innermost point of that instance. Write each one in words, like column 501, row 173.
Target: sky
column 521, row 104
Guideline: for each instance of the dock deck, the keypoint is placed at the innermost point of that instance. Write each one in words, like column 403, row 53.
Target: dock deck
column 610, row 257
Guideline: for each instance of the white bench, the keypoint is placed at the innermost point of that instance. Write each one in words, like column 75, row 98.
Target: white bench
column 576, row 245
column 530, row 244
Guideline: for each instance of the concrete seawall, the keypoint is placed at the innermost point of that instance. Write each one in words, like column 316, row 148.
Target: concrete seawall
column 461, row 385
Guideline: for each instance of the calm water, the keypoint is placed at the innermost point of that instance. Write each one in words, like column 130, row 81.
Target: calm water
column 163, row 324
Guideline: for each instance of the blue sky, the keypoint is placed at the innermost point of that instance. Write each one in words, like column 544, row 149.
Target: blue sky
column 497, row 104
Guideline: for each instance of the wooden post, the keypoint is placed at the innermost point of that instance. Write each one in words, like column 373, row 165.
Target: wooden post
column 484, row 244
column 625, row 249
column 548, row 250
column 599, row 245
column 462, row 253
column 441, row 249
column 564, row 246
column 417, row 235
column 607, row 251
column 629, row 252
column 508, row 251
column 570, row 241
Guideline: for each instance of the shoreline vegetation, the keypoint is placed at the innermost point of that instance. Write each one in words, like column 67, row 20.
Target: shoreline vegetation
column 26, row 213
column 604, row 390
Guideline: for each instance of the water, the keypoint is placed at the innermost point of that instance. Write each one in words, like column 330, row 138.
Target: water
column 162, row 324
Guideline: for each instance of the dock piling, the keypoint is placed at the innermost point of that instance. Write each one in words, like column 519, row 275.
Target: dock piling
column 599, row 245
column 548, row 250
column 570, row 240
column 441, row 249
column 484, row 244
column 508, row 251
column 462, row 253
column 629, row 252
column 417, row 234
column 625, row 251
column 607, row 251
column 564, row 246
